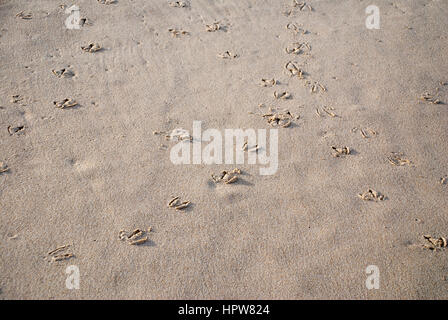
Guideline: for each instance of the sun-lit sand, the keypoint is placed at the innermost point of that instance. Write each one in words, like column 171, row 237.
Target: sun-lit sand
column 362, row 174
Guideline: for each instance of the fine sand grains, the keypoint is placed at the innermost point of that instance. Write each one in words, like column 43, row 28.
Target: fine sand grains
column 274, row 117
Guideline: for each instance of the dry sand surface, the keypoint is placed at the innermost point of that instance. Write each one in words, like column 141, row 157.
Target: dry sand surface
column 79, row 174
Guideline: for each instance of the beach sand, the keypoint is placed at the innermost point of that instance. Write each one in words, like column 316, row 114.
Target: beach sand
column 78, row 176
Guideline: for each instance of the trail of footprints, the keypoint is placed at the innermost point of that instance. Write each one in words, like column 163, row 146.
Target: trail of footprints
column 275, row 117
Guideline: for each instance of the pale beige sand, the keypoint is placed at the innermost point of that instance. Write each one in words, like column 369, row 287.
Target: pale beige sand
column 79, row 176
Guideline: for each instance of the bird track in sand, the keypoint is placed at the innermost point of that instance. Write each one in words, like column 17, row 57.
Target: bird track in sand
column 228, row 177
column 61, row 253
column 176, row 204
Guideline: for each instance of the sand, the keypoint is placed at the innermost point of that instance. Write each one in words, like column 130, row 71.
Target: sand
column 79, row 175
